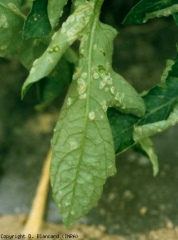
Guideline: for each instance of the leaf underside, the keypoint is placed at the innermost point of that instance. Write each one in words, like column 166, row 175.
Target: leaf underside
column 83, row 149
column 102, row 114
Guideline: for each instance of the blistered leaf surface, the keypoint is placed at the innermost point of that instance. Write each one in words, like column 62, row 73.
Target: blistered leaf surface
column 83, row 148
column 61, row 40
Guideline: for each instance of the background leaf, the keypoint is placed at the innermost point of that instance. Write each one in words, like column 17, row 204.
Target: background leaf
column 122, row 129
column 11, row 22
column 159, row 101
column 147, row 9
column 37, row 23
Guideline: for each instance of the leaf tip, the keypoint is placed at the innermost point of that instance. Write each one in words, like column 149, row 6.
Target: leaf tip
column 25, row 88
column 22, row 93
column 155, row 170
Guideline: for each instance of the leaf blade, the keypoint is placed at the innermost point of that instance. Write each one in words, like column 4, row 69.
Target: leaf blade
column 37, row 23
column 160, row 102
column 83, row 135
column 147, row 146
column 56, row 83
column 61, row 40
column 11, row 22
column 85, row 159
column 145, row 10
column 55, row 10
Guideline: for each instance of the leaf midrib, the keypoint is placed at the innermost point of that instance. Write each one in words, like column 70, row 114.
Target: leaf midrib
column 89, row 61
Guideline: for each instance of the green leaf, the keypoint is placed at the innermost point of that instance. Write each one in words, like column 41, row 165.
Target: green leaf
column 30, row 50
column 150, row 129
column 83, row 149
column 55, row 11
column 37, row 23
column 148, row 9
column 175, row 16
column 147, row 146
column 61, row 40
column 58, row 80
column 53, row 85
column 141, row 134
column 11, row 22
column 122, row 129
column 160, row 114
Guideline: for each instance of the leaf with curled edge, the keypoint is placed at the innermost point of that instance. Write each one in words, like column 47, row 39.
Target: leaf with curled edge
column 11, row 22
column 147, row 146
column 61, row 40
column 56, row 83
column 150, row 129
column 83, row 149
column 148, row 9
column 141, row 134
column 161, row 113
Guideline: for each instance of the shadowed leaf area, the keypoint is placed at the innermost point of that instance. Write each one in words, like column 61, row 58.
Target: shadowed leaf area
column 146, row 10
column 11, row 21
column 55, row 84
column 37, row 23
